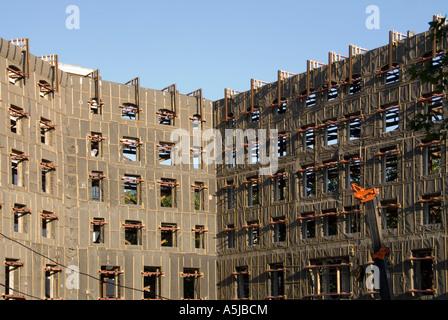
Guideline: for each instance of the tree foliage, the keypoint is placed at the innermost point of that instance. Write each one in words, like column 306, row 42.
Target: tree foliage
column 437, row 75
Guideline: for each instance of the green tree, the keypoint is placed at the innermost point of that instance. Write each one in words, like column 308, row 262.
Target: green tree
column 130, row 197
column 167, row 201
column 436, row 74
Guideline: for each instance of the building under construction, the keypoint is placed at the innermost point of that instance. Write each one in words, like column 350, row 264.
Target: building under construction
column 93, row 205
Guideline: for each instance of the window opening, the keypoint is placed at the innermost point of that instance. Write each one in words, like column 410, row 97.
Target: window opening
column 133, row 232
column 132, row 186
column 389, row 214
column 277, row 281
column 253, row 190
column 168, row 193
column 98, row 225
column 279, row 229
column 131, row 148
column 168, row 235
column 110, row 282
column 253, row 232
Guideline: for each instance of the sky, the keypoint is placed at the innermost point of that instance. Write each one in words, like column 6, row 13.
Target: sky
column 207, row 44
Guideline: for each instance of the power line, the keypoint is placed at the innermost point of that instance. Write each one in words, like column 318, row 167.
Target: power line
column 66, row 267
column 22, row 293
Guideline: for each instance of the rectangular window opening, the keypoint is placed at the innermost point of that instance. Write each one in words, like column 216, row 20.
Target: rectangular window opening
column 165, row 117
column 253, row 233
column 168, row 193
column 423, row 272
column 308, row 225
column 308, row 138
column 46, row 177
column 132, row 189
column 152, row 282
column 168, row 235
column 253, row 191
column 229, row 155
column 389, row 214
column 191, row 283
column 332, row 179
column 48, row 224
column 432, row 209
column 280, row 186
column 45, row 228
column 279, row 232
column 12, row 278
column 389, row 163
column 97, row 186
column 199, row 237
column 17, row 168
column 16, row 116
column 277, row 281
column 311, row 100
column 45, row 130
column 282, row 145
column 392, row 76
column 198, row 195
column 15, row 74
column 255, row 116
column 331, row 133
column 230, row 193
column 330, row 222
column 19, row 218
column 96, row 144
column 98, row 230
column 356, row 85
column 230, row 236
column 110, row 282
column 242, row 283
column 434, row 105
column 133, row 233
column 131, row 148
column 129, row 111
column 51, row 281
column 433, row 159
column 330, row 278
column 95, row 106
column 352, row 219
column 352, row 170
column 332, row 93
column 309, row 182
column 45, row 89
column 282, row 108
column 354, row 128
column 254, row 152
column 391, row 120
column 197, row 157
column 165, row 153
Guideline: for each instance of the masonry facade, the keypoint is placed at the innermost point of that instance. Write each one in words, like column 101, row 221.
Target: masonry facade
column 299, row 233
column 94, row 207
column 89, row 182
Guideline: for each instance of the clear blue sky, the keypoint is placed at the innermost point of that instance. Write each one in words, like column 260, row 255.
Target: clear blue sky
column 206, row 44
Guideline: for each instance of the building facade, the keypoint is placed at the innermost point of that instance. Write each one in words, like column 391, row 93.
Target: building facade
column 88, row 182
column 94, row 205
column 299, row 233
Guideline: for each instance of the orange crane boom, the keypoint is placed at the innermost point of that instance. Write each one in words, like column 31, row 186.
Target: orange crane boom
column 364, row 195
column 380, row 252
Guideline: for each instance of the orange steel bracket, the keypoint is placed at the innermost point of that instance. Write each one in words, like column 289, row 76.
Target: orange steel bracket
column 364, row 195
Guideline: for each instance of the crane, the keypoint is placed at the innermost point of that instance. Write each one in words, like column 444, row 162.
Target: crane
column 380, row 252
